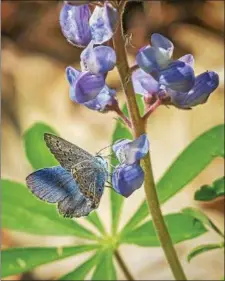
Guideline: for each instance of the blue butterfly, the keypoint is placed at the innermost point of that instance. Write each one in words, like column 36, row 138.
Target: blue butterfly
column 77, row 185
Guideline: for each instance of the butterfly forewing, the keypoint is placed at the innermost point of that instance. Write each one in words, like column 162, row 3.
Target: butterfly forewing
column 66, row 153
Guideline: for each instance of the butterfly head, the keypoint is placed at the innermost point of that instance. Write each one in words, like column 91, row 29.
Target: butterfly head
column 102, row 162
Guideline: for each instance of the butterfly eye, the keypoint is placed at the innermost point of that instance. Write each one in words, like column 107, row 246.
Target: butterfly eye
column 100, row 189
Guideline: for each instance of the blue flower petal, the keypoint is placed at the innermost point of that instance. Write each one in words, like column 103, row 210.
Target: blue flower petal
column 105, row 98
column 103, row 23
column 99, row 59
column 72, row 74
column 86, row 87
column 144, row 83
column 74, row 21
column 205, row 84
column 178, row 76
column 127, row 178
column 146, row 59
column 163, row 49
column 128, row 152
column 188, row 59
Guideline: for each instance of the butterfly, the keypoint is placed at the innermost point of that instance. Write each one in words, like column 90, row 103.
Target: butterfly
column 76, row 185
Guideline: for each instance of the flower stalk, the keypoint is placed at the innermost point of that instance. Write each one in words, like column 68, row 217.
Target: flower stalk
column 138, row 128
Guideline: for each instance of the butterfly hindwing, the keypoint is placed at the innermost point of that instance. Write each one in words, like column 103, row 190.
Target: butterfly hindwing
column 52, row 184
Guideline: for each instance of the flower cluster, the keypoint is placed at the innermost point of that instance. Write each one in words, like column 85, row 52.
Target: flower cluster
column 82, row 28
column 163, row 77
column 159, row 78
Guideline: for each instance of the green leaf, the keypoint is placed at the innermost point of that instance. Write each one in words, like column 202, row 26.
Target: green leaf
column 18, row 260
column 95, row 220
column 82, row 271
column 191, row 162
column 36, row 150
column 120, row 132
column 195, row 157
column 181, row 227
column 202, row 249
column 105, row 269
column 207, row 192
column 22, row 211
column 200, row 216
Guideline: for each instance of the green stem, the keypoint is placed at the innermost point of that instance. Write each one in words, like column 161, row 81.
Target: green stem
column 138, row 128
column 123, row 266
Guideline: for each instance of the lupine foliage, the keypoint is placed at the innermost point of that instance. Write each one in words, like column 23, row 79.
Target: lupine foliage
column 23, row 212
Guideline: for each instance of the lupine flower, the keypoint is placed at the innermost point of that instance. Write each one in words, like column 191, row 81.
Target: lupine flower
column 128, row 175
column 80, row 27
column 177, row 75
column 103, row 23
column 172, row 79
column 74, row 21
column 100, row 59
column 205, row 84
column 89, row 89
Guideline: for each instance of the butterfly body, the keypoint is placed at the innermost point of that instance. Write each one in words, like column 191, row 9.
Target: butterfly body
column 77, row 185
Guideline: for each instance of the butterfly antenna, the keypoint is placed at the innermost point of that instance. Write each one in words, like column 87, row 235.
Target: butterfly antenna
column 98, row 153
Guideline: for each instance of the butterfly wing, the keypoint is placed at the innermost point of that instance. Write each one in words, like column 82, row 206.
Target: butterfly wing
column 65, row 152
column 76, row 206
column 89, row 173
column 52, row 184
column 56, row 185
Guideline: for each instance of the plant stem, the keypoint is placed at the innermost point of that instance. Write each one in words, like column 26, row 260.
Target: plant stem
column 139, row 129
column 123, row 266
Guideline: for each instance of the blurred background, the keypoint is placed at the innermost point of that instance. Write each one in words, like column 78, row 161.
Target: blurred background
column 34, row 88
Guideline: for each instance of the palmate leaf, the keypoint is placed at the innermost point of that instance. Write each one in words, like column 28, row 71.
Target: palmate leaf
column 181, row 227
column 194, row 158
column 210, row 192
column 95, row 220
column 18, row 260
column 202, row 249
column 22, row 211
column 200, row 216
column 82, row 271
column 120, row 132
column 37, row 152
column 105, row 269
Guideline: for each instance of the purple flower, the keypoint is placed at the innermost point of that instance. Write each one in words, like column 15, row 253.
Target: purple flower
column 128, row 152
column 157, row 59
column 205, row 84
column 128, row 175
column 100, row 59
column 177, row 76
column 127, row 178
column 103, row 23
column 74, row 21
column 90, row 89
column 144, row 83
